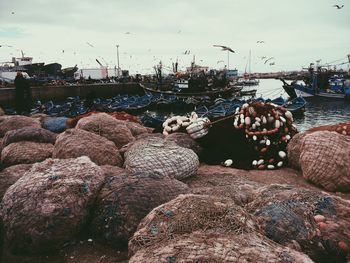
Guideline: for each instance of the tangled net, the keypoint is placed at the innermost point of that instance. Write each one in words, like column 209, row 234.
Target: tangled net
column 268, row 127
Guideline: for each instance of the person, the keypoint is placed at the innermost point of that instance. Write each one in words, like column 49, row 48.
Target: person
column 23, row 96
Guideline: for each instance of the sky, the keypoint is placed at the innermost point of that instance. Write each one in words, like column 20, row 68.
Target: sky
column 295, row 33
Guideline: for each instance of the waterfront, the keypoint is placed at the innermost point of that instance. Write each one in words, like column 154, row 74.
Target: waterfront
column 318, row 111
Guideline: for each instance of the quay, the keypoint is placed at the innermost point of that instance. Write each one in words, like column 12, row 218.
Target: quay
column 56, row 93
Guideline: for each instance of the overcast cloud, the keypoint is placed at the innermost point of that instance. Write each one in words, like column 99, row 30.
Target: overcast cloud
column 295, row 32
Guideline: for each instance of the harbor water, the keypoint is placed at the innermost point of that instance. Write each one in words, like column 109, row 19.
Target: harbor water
column 318, row 112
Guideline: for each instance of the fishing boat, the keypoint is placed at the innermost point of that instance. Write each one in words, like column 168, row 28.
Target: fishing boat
column 295, row 105
column 320, row 83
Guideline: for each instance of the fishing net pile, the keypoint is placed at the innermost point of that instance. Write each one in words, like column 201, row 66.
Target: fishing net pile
column 25, row 152
column 311, row 222
column 156, row 155
column 49, row 205
column 54, row 124
column 10, row 175
column 8, row 123
column 76, row 142
column 268, row 128
column 184, row 140
column 201, row 228
column 294, row 150
column 28, row 134
column 108, row 127
column 178, row 123
column 325, row 160
column 72, row 122
column 125, row 199
column 237, row 188
column 341, row 128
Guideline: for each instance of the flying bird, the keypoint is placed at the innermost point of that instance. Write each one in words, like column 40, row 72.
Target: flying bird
column 5, row 46
column 262, row 57
column 127, row 33
column 179, row 31
column 272, row 63
column 12, row 13
column 219, row 61
column 224, row 48
column 62, row 50
column 339, row 7
column 187, row 52
column 89, row 44
column 260, row 41
column 268, row 59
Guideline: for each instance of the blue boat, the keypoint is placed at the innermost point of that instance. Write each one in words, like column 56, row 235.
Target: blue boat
column 326, row 84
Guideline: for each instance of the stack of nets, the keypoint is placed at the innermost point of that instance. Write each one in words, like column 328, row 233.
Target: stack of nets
column 157, row 155
column 26, row 145
column 76, row 142
column 125, row 199
column 199, row 228
column 108, row 127
column 50, row 204
column 8, row 123
column 325, row 160
column 305, row 220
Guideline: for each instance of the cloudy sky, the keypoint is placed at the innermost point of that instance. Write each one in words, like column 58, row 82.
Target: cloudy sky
column 294, row 32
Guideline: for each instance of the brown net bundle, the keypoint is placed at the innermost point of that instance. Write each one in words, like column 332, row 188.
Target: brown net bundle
column 189, row 213
column 76, row 142
column 161, row 156
column 341, row 128
column 25, row 152
column 303, row 219
column 125, row 199
column 48, row 206
column 29, row 134
column 184, row 140
column 10, row 175
column 216, row 248
column 294, row 150
column 325, row 160
column 221, row 184
column 108, row 127
column 8, row 123
column 72, row 122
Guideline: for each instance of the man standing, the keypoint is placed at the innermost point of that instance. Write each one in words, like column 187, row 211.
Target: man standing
column 23, row 96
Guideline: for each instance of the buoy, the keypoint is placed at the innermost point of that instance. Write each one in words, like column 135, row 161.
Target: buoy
column 247, row 121
column 282, row 154
column 255, row 163
column 279, row 164
column 268, row 142
column 261, row 161
column 270, row 166
column 288, row 115
column 277, row 124
column 255, row 138
column 228, row 162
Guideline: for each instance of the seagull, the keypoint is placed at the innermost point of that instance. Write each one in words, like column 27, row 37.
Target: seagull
column 12, row 13
column 260, row 41
column 89, row 44
column 224, row 48
column 272, row 63
column 187, row 52
column 268, row 59
column 62, row 50
column 219, row 61
column 339, row 7
column 127, row 33
column 179, row 31
column 262, row 57
column 5, row 46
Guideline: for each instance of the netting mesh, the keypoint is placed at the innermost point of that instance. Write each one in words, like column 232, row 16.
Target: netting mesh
column 325, row 160
column 75, row 142
column 29, row 134
column 48, row 206
column 189, row 213
column 25, row 152
column 126, row 199
column 8, row 123
column 108, row 127
column 287, row 215
column 216, row 248
column 162, row 157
